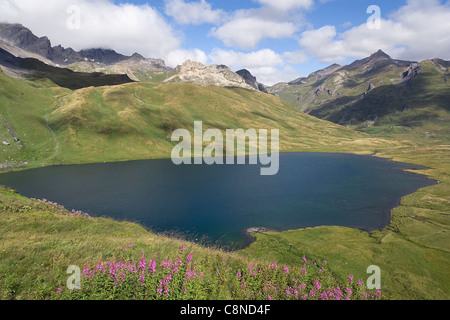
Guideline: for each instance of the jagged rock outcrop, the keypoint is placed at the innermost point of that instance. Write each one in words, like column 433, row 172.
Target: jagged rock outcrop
column 216, row 75
column 21, row 42
column 18, row 36
column 412, row 72
column 251, row 80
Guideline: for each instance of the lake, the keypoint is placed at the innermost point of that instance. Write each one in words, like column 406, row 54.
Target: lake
column 220, row 202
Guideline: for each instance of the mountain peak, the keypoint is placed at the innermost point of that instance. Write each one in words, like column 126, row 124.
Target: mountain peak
column 137, row 56
column 18, row 36
column 380, row 54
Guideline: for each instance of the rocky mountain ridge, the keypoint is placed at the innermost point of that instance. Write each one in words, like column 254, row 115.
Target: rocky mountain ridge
column 21, row 42
column 202, row 75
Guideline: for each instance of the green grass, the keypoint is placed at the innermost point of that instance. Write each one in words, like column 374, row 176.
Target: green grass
column 413, row 252
column 39, row 241
column 134, row 121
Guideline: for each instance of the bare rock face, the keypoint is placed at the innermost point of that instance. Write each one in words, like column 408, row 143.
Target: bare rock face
column 216, row 75
column 251, row 80
column 412, row 72
column 19, row 40
column 20, row 37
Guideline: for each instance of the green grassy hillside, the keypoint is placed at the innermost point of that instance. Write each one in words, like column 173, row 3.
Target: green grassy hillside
column 135, row 121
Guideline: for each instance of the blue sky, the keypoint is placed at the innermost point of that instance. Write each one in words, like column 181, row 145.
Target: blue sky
column 277, row 40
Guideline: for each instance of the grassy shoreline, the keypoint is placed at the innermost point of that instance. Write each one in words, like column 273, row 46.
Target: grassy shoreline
column 361, row 249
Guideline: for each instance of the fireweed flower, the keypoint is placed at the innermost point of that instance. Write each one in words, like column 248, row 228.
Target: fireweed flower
column 317, row 284
column 152, row 267
column 172, row 277
column 142, row 278
column 189, row 258
column 142, row 263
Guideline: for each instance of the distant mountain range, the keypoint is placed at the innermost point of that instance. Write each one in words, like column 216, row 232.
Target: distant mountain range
column 375, row 94
column 22, row 43
column 18, row 36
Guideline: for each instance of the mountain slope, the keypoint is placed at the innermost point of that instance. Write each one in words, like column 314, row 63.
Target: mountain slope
column 135, row 121
column 31, row 68
column 21, row 42
column 378, row 95
column 418, row 102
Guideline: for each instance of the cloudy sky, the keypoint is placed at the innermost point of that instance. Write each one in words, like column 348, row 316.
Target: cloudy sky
column 277, row 40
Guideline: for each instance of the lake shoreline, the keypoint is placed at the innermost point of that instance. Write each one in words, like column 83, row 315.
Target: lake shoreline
column 317, row 159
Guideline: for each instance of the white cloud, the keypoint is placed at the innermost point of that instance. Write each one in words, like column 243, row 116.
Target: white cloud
column 266, row 65
column 195, row 13
column 286, row 5
column 321, row 43
column 417, row 31
column 296, row 57
column 271, row 75
column 247, row 32
column 274, row 19
column 347, row 24
column 179, row 56
column 239, row 60
column 125, row 28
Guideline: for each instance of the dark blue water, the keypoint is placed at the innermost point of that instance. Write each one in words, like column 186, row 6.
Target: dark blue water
column 221, row 202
